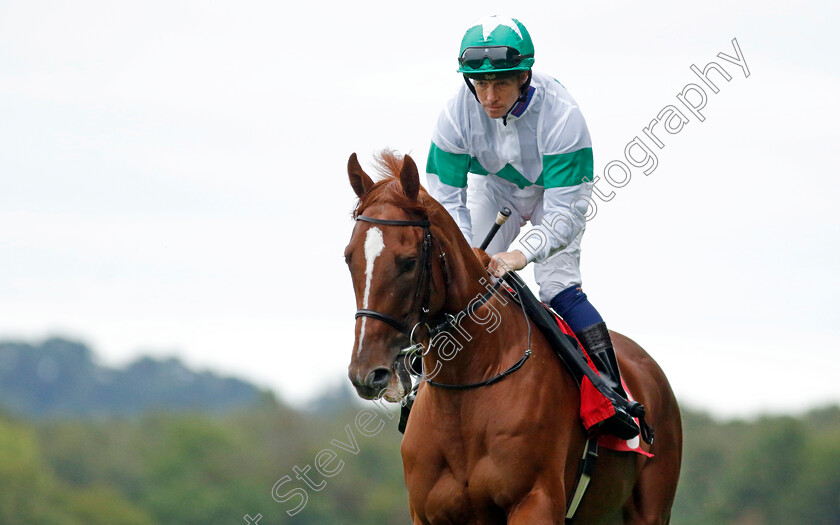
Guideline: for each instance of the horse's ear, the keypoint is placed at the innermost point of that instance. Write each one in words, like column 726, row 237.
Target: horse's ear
column 358, row 178
column 409, row 178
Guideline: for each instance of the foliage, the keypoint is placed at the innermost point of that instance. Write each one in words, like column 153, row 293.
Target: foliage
column 774, row 470
column 30, row 492
column 198, row 468
column 141, row 467
column 60, row 378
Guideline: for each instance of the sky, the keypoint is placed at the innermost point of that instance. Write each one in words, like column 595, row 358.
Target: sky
column 173, row 179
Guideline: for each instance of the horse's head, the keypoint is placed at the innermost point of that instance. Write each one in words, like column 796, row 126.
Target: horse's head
column 389, row 257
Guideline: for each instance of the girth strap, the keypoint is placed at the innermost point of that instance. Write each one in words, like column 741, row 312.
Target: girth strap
column 587, row 467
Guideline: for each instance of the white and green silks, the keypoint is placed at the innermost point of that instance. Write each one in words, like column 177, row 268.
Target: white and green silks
column 538, row 163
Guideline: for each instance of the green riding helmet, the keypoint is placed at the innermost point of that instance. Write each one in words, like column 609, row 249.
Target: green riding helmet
column 495, row 47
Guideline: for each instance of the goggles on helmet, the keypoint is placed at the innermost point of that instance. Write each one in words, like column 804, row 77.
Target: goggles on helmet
column 500, row 57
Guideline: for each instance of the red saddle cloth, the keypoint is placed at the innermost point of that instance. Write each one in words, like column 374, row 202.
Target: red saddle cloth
column 595, row 408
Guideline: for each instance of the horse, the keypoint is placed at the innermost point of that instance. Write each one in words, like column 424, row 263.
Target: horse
column 508, row 450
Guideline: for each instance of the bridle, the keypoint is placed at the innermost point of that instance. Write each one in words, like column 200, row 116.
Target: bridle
column 425, row 274
column 449, row 321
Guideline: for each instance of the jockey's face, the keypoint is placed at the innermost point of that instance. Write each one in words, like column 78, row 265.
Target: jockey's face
column 498, row 96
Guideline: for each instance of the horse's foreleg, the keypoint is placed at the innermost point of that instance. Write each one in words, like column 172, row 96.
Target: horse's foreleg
column 415, row 520
column 656, row 487
column 537, row 508
column 654, row 493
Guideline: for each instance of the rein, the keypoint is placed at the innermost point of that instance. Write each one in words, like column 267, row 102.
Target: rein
column 452, row 319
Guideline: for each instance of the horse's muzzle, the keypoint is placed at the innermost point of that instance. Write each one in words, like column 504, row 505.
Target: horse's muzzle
column 391, row 383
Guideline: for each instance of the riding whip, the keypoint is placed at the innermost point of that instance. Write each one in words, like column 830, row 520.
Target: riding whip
column 501, row 217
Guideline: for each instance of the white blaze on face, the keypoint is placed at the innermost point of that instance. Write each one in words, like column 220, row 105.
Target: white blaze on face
column 374, row 244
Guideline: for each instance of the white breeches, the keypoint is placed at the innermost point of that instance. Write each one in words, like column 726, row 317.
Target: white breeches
column 486, row 196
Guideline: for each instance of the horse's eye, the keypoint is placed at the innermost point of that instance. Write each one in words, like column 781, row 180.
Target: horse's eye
column 407, row 265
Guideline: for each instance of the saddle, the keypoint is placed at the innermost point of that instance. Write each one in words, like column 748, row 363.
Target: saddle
column 595, row 406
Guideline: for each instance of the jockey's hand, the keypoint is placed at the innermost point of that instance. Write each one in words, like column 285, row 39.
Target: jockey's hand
column 503, row 262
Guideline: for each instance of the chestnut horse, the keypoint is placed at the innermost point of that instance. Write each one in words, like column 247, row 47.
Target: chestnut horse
column 508, row 452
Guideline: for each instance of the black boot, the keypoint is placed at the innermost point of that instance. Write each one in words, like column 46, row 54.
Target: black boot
column 597, row 343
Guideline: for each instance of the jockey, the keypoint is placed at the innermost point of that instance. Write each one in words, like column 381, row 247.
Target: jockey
column 525, row 134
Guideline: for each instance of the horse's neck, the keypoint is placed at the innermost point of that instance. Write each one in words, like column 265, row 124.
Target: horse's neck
column 480, row 344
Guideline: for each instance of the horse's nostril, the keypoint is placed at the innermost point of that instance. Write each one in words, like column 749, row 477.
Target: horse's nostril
column 379, row 378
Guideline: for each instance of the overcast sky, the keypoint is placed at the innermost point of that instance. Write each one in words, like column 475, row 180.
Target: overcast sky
column 172, row 179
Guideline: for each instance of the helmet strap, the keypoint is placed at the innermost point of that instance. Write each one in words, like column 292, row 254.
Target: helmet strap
column 523, row 89
column 472, row 88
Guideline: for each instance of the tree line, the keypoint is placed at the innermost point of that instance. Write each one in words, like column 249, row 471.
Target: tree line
column 339, row 463
column 198, row 468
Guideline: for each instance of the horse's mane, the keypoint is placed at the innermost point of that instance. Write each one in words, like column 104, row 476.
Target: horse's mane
column 389, row 189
